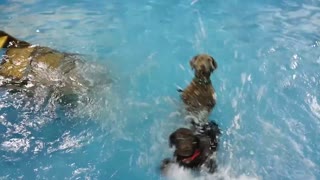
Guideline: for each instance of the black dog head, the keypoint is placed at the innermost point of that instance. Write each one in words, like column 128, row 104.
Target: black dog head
column 184, row 141
column 194, row 149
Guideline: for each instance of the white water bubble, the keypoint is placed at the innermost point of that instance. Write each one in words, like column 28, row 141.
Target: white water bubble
column 294, row 61
column 271, row 50
column 294, row 76
column 318, row 60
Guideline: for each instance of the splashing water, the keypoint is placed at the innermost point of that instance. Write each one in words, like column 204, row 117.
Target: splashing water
column 267, row 85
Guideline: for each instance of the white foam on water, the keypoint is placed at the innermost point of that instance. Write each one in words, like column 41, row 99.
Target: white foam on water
column 178, row 173
column 16, row 144
column 314, row 105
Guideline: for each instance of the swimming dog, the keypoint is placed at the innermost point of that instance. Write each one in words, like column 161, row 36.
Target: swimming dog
column 200, row 95
column 194, row 149
column 26, row 66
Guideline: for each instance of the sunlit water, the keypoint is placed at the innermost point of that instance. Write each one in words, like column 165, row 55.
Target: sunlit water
column 267, row 84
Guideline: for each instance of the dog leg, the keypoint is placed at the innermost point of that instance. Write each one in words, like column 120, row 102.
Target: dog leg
column 211, row 166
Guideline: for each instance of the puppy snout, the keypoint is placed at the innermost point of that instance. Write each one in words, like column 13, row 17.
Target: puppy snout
column 186, row 147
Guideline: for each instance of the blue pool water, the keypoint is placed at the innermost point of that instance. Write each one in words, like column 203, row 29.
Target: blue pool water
column 267, row 84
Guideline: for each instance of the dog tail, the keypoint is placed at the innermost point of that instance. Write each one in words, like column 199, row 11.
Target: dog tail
column 6, row 41
column 179, row 90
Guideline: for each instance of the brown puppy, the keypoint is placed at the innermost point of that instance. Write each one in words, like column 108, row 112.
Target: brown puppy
column 200, row 94
column 192, row 150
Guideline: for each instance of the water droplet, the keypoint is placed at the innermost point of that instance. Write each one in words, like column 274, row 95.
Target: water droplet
column 318, row 61
column 294, row 76
column 294, row 61
column 293, row 65
column 271, row 50
column 249, row 77
column 181, row 67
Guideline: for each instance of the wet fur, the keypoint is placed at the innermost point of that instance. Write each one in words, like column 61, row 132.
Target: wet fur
column 186, row 141
column 200, row 95
column 62, row 73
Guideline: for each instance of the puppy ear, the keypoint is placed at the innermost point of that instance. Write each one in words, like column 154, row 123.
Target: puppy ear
column 192, row 62
column 214, row 64
column 172, row 140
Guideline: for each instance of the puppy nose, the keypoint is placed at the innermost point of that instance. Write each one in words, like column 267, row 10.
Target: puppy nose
column 186, row 146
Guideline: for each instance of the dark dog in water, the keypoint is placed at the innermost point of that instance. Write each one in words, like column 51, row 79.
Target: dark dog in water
column 200, row 95
column 25, row 66
column 194, row 149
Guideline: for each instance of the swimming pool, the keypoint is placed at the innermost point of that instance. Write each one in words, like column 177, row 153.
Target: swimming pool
column 267, row 84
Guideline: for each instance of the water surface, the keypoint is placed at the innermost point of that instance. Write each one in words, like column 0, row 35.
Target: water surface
column 267, row 84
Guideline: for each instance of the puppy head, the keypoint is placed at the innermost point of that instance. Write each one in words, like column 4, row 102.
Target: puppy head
column 184, row 141
column 203, row 63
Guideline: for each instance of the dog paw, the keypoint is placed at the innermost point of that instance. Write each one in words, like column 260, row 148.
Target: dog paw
column 165, row 165
column 211, row 166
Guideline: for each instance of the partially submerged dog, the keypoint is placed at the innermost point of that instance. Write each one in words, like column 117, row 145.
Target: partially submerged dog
column 200, row 95
column 25, row 66
column 194, row 149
